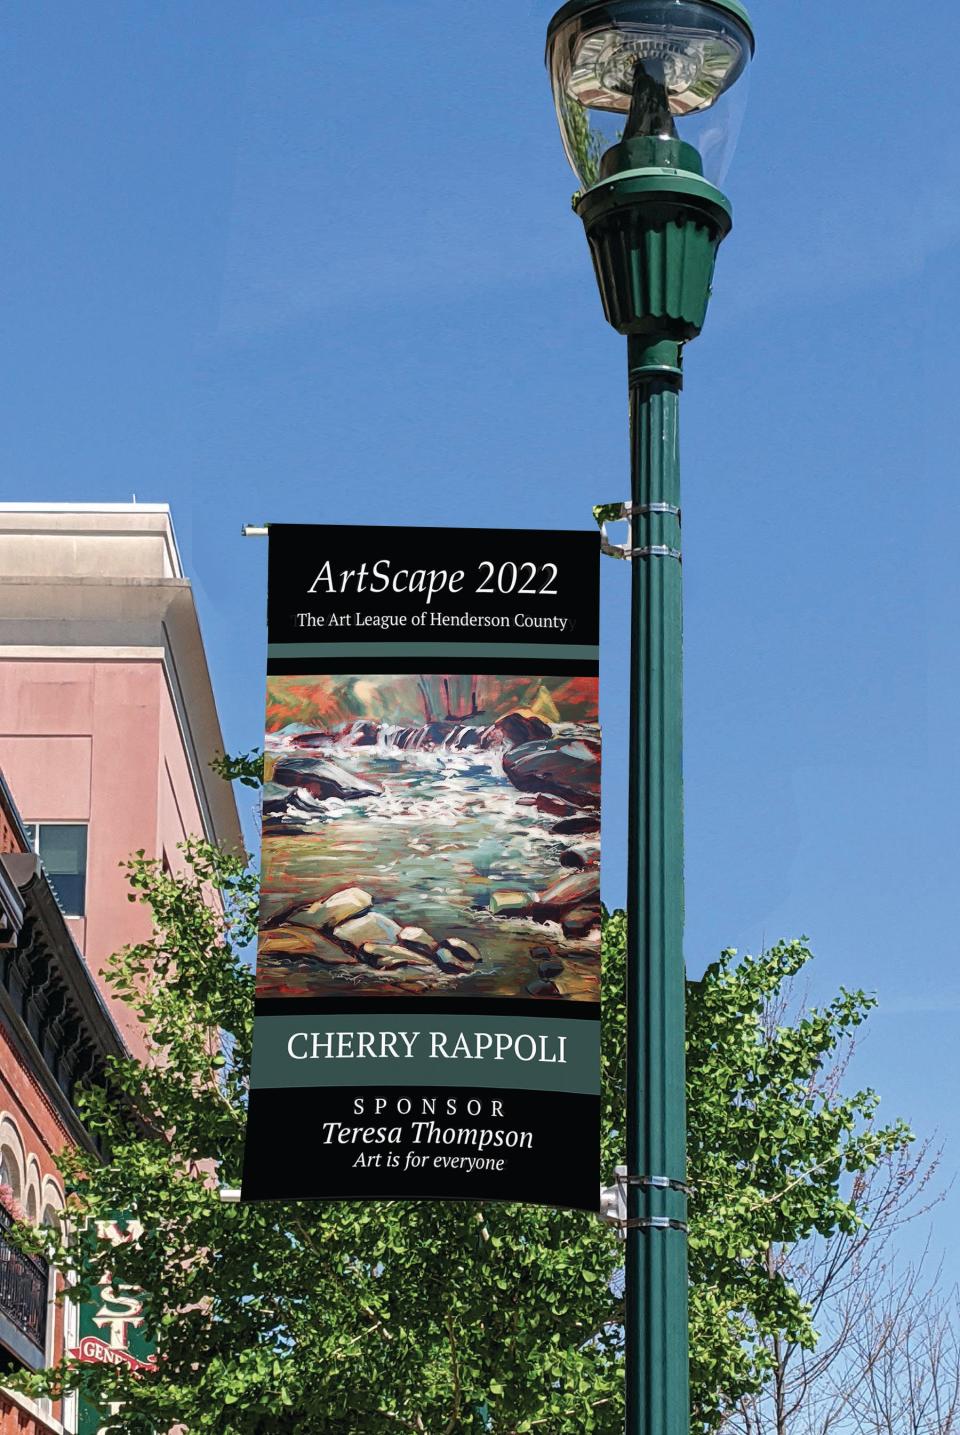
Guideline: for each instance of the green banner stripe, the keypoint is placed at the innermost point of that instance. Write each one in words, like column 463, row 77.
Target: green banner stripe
column 414, row 1049
column 576, row 652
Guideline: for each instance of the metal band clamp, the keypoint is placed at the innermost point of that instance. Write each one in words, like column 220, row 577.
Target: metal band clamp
column 657, row 550
column 653, row 1223
column 653, row 1183
column 642, row 509
column 613, row 1204
column 618, row 513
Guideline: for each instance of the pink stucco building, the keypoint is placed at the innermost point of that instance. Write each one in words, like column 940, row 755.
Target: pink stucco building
column 108, row 723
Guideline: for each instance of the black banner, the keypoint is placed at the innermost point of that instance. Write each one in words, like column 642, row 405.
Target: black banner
column 427, row 1017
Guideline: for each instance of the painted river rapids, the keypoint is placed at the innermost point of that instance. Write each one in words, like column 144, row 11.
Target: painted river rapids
column 445, row 858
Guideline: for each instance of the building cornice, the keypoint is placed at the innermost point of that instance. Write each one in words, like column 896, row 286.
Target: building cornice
column 107, row 619
column 12, row 813
column 11, row 910
column 48, row 1093
column 50, row 1005
column 48, row 652
column 129, row 520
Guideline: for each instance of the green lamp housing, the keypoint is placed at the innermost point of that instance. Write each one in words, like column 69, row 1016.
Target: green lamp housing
column 646, row 101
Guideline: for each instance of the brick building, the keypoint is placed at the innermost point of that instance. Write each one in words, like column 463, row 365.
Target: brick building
column 55, row 1031
column 108, row 727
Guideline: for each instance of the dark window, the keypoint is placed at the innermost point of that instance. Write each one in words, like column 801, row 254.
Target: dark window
column 62, row 848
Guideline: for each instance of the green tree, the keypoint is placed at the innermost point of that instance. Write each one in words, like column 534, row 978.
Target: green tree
column 375, row 1317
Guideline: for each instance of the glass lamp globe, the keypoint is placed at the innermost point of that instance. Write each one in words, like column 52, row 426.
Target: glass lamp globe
column 646, row 83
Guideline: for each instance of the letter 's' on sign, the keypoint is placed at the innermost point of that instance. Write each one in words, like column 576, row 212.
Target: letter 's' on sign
column 428, row 974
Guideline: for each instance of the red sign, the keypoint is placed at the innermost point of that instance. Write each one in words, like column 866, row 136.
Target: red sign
column 94, row 1351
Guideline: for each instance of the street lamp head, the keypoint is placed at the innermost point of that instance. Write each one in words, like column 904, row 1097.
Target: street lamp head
column 648, row 83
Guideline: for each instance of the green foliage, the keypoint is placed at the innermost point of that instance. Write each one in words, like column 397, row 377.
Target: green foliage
column 247, row 768
column 607, row 512
column 439, row 1317
column 774, row 1153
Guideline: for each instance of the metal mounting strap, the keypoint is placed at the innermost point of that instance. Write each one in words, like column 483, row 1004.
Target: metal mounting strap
column 656, row 550
column 654, row 1183
column 628, row 512
column 642, row 509
column 652, row 1223
column 613, row 1203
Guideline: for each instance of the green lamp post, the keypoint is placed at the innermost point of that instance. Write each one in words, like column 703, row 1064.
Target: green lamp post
column 646, row 96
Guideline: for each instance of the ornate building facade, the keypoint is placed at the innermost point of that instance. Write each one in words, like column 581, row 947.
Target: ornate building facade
column 108, row 728
column 55, row 1033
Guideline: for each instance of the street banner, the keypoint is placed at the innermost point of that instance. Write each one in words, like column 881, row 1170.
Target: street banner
column 428, row 975
column 110, row 1327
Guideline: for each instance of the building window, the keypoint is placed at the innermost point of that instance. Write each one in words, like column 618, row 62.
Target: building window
column 9, row 1172
column 62, row 848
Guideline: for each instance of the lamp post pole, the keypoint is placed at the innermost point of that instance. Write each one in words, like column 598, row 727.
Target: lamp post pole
column 657, row 1392
column 654, row 225
column 654, row 247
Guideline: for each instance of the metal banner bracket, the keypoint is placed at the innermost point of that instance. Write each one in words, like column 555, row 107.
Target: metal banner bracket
column 613, row 1204
column 605, row 513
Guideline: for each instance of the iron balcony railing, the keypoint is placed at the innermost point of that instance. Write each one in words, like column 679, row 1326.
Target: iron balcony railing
column 23, row 1287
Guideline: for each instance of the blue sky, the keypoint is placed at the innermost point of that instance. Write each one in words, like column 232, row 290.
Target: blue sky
column 315, row 262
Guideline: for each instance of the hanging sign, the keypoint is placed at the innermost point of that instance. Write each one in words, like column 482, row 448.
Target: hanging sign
column 428, row 976
column 111, row 1327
